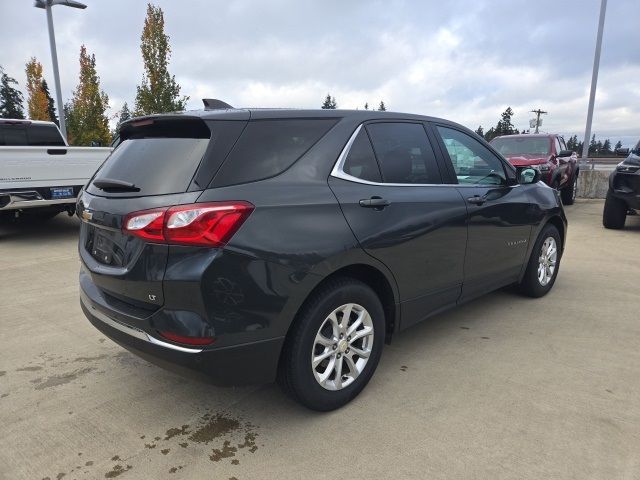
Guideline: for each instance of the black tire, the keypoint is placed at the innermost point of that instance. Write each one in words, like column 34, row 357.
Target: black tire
column 530, row 284
column 568, row 193
column 296, row 374
column 615, row 212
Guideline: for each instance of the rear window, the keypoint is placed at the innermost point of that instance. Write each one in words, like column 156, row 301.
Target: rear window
column 158, row 157
column 44, row 136
column 30, row 135
column 267, row 148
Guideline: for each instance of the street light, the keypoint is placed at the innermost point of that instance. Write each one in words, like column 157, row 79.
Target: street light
column 46, row 5
column 594, row 82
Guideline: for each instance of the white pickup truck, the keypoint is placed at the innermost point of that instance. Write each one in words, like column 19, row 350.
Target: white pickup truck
column 40, row 174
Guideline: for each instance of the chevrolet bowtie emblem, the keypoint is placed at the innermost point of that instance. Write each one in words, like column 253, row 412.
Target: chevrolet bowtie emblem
column 87, row 215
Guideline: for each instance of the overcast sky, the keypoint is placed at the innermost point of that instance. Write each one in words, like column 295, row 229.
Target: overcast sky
column 462, row 60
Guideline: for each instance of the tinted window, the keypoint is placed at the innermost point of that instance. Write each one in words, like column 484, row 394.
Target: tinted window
column 404, row 153
column 267, row 148
column 14, row 135
column 45, row 136
column 361, row 161
column 473, row 162
column 155, row 165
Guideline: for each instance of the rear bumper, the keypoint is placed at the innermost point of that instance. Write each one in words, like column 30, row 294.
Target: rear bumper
column 15, row 200
column 249, row 363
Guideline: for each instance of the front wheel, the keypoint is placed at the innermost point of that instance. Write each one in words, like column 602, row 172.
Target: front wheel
column 334, row 345
column 543, row 265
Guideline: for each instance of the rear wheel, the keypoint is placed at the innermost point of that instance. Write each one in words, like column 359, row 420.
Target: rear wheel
column 569, row 193
column 615, row 212
column 334, row 346
column 543, row 265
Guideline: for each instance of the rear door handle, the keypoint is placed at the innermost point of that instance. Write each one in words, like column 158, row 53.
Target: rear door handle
column 477, row 199
column 374, row 202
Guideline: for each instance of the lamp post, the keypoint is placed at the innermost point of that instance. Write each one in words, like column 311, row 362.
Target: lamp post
column 594, row 82
column 46, row 5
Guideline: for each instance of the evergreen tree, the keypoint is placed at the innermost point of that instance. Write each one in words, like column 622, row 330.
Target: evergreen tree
column 159, row 91
column 87, row 121
column 51, row 106
column 125, row 113
column 366, row 106
column 37, row 103
column 480, row 131
column 618, row 145
column 329, row 103
column 381, row 107
column 593, row 146
column 10, row 97
column 490, row 135
column 606, row 146
column 579, row 147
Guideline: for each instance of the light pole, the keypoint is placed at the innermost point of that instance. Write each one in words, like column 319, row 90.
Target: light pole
column 47, row 4
column 594, row 81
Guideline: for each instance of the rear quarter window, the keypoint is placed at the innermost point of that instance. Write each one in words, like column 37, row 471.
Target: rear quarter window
column 267, row 148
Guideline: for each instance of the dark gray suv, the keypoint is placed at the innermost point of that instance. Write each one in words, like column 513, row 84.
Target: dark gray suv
column 253, row 245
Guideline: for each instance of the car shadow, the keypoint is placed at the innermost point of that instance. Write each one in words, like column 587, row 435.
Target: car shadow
column 61, row 227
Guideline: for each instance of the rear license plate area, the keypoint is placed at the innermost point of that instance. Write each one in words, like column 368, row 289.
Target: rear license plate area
column 102, row 248
column 61, row 192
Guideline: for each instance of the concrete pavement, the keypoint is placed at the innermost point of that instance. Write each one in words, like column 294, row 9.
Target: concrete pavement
column 505, row 387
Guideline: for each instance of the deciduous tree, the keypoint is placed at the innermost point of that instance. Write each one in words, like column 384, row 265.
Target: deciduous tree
column 159, row 91
column 87, row 121
column 37, row 103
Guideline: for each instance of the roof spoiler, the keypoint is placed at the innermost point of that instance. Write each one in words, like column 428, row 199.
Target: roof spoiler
column 215, row 104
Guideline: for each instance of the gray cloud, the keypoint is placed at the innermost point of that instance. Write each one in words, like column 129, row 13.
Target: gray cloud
column 463, row 60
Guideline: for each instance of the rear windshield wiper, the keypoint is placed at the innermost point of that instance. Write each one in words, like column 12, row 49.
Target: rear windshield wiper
column 109, row 184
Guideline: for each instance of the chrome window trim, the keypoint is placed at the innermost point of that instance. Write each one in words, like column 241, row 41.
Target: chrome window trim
column 338, row 172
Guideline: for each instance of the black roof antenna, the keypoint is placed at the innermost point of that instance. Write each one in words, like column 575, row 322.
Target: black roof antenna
column 215, row 104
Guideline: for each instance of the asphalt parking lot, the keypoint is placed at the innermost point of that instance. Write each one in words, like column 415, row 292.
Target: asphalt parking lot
column 504, row 387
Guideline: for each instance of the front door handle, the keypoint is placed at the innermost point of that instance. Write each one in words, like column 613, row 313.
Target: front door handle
column 477, row 199
column 374, row 202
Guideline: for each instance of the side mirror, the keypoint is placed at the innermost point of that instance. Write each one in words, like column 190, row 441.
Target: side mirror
column 623, row 152
column 565, row 153
column 529, row 176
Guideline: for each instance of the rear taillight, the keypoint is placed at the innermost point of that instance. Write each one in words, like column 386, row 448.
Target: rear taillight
column 202, row 224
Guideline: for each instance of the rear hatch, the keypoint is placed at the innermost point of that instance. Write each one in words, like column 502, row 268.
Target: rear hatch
column 159, row 162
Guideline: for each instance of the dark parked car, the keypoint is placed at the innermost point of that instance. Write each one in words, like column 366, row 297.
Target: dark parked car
column 546, row 152
column 623, row 196
column 250, row 245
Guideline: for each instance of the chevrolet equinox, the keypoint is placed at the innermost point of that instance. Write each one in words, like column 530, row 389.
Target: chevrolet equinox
column 253, row 245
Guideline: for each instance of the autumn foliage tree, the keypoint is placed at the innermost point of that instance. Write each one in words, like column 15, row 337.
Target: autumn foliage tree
column 159, row 91
column 37, row 103
column 87, row 121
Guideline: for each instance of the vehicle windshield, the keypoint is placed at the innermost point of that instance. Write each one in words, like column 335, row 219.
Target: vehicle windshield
column 522, row 145
column 636, row 149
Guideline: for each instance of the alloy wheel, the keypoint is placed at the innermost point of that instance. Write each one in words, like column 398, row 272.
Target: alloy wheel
column 547, row 261
column 342, row 346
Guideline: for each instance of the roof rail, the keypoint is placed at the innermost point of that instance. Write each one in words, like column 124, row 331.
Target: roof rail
column 215, row 104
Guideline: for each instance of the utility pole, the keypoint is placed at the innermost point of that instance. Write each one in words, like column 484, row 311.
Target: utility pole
column 594, row 81
column 538, row 112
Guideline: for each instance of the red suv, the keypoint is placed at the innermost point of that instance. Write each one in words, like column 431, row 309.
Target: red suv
column 547, row 153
